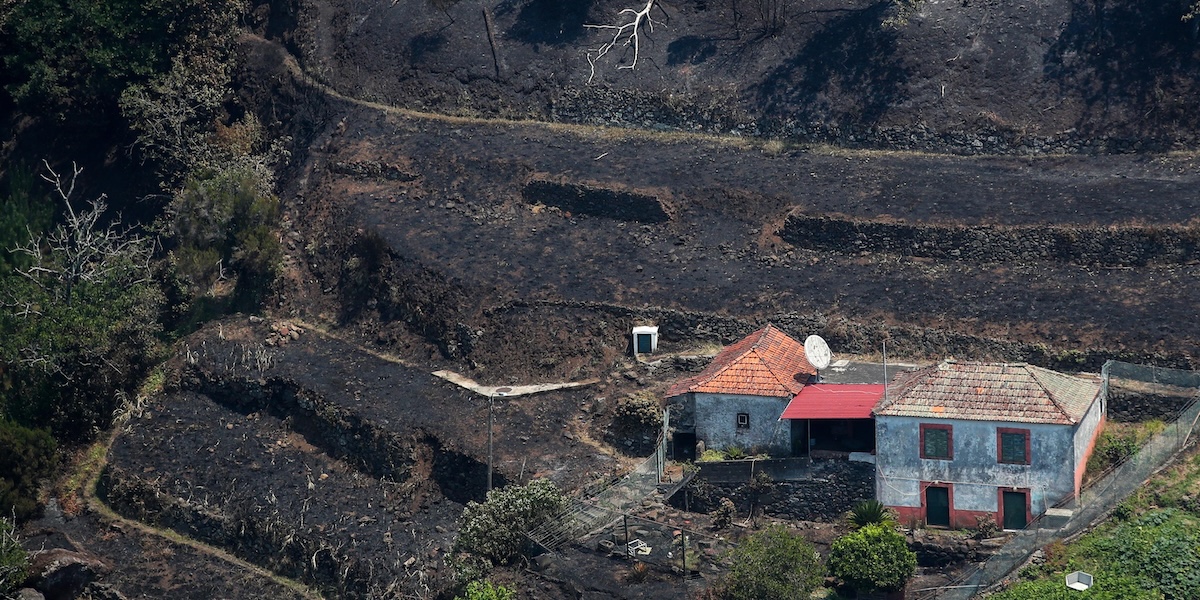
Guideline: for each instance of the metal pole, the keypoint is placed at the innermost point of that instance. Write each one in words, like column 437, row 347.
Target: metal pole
column 491, row 422
column 502, row 392
column 683, row 555
column 625, row 526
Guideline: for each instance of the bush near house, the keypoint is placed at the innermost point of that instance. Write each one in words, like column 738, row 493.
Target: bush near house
column 772, row 564
column 873, row 558
column 492, row 531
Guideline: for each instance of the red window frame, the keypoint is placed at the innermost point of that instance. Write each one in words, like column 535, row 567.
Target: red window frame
column 1000, row 431
column 949, row 429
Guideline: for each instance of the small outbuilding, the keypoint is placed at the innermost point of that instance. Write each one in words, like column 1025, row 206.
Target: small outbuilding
column 738, row 399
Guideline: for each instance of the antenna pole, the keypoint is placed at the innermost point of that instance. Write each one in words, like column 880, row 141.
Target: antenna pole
column 885, row 379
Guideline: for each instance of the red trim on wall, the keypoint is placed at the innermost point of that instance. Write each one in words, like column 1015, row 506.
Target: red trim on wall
column 959, row 519
column 1081, row 465
column 949, row 441
column 1000, row 504
column 1000, row 453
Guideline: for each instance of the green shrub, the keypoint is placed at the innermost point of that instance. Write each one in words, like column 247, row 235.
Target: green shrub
column 225, row 219
column 735, row 453
column 772, row 564
column 491, row 531
column 723, row 514
column 26, row 457
column 986, row 527
column 869, row 512
column 484, row 590
column 711, row 456
column 872, row 558
column 14, row 561
column 637, row 415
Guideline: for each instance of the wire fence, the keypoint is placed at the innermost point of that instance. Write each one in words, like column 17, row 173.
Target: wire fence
column 1106, row 491
column 601, row 503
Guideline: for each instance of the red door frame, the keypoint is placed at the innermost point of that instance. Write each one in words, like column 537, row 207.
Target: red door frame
column 1000, row 504
column 925, row 485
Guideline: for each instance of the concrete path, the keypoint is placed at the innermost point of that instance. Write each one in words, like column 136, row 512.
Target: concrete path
column 508, row 390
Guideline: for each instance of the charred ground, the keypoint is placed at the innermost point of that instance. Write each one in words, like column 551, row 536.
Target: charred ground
column 519, row 238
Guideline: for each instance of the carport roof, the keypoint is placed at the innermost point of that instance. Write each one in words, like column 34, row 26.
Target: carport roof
column 834, row 401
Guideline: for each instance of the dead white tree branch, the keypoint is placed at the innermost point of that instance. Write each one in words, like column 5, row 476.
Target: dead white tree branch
column 80, row 250
column 625, row 34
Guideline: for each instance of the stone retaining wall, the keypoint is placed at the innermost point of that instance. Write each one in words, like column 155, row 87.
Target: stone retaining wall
column 834, row 488
column 600, row 202
column 1124, row 246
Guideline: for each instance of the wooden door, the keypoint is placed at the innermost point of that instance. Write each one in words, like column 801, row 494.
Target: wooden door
column 937, row 506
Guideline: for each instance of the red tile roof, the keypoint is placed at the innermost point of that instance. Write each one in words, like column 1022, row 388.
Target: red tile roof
column 834, row 401
column 1013, row 392
column 764, row 363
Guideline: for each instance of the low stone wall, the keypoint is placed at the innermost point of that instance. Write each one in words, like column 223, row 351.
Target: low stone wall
column 600, row 202
column 834, row 487
column 678, row 329
column 1123, row 246
column 1134, row 407
column 345, row 435
column 941, row 551
column 740, row 471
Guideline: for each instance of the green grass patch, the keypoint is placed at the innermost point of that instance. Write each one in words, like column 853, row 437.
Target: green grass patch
column 1118, row 442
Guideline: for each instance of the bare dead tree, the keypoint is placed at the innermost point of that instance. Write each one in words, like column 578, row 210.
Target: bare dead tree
column 624, row 34
column 80, row 250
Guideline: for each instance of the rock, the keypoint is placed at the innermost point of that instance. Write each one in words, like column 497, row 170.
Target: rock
column 102, row 591
column 29, row 594
column 543, row 562
column 62, row 574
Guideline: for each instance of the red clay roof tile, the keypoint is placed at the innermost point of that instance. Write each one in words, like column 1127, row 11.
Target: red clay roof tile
column 1014, row 392
column 764, row 363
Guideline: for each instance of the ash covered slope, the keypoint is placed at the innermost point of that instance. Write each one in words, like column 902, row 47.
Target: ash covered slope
column 965, row 75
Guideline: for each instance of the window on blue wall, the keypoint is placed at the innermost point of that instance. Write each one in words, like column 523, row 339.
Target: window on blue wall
column 743, row 421
column 937, row 442
column 1013, row 445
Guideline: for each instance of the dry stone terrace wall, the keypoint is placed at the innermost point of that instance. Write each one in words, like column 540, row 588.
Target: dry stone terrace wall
column 835, row 487
column 680, row 329
column 1103, row 246
column 248, row 483
column 337, row 430
column 600, row 202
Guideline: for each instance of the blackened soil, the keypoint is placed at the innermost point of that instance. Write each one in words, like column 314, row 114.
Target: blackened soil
column 147, row 565
column 280, row 502
column 535, row 436
column 970, row 76
column 463, row 218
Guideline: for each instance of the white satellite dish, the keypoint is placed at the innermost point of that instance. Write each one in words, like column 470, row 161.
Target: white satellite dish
column 817, row 352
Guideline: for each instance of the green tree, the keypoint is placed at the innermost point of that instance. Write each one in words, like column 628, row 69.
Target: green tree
column 772, row 564
column 492, row 530
column 81, row 322
column 226, row 219
column 14, row 561
column 874, row 557
column 26, row 457
column 79, row 55
column 22, row 211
